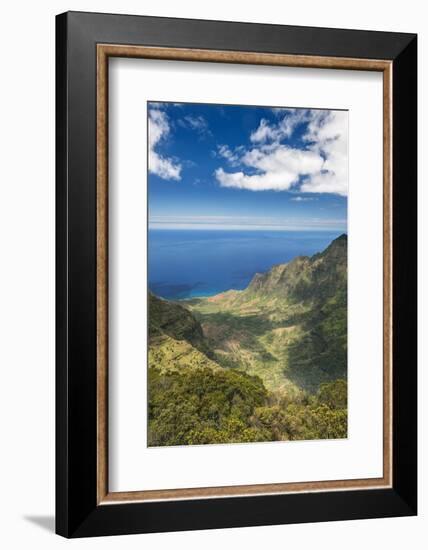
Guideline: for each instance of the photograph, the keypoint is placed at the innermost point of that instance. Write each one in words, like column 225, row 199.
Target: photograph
column 247, row 273
column 212, row 285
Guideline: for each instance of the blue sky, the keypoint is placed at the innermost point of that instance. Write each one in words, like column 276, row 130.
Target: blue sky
column 245, row 167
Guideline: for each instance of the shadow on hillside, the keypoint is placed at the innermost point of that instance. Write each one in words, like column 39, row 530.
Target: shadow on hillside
column 256, row 325
column 320, row 355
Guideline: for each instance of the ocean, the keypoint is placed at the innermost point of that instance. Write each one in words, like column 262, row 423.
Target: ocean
column 196, row 263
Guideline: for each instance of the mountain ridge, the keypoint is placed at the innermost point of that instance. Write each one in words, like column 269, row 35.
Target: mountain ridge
column 278, row 273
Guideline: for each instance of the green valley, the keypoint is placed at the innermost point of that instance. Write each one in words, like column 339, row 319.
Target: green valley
column 266, row 363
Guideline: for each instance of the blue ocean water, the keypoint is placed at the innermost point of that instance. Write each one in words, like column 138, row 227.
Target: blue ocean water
column 196, row 263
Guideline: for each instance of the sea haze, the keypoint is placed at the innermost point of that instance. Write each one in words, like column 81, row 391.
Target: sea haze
column 195, row 263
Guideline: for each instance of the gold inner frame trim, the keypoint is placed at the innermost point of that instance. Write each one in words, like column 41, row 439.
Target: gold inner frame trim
column 104, row 51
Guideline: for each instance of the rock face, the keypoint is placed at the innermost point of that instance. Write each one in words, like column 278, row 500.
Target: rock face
column 172, row 319
column 306, row 278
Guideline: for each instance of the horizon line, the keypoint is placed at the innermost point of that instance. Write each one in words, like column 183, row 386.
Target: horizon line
column 209, row 227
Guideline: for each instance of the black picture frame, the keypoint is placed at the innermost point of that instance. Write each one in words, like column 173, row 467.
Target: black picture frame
column 77, row 511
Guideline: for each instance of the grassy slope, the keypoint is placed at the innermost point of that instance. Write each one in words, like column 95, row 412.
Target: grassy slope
column 176, row 339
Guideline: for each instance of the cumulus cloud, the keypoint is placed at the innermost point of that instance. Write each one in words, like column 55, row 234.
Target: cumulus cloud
column 276, row 168
column 319, row 165
column 160, row 165
column 264, row 132
column 327, row 134
column 281, row 130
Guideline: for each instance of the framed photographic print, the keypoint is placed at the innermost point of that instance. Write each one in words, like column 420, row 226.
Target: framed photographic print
column 236, row 274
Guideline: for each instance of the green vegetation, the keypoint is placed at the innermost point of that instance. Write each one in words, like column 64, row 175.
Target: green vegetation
column 197, row 406
column 203, row 406
column 264, row 364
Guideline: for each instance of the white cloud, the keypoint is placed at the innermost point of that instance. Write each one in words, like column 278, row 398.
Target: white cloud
column 159, row 129
column 327, row 134
column 321, row 166
column 232, row 156
column 157, row 104
column 302, row 199
column 263, row 132
column 278, row 111
column 278, row 169
column 196, row 123
column 281, row 130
